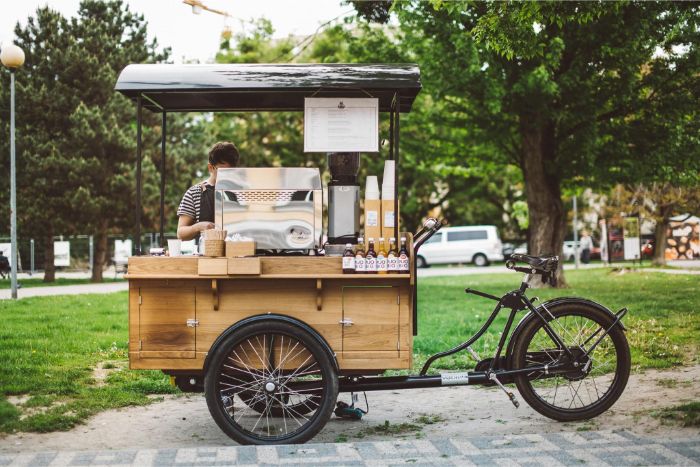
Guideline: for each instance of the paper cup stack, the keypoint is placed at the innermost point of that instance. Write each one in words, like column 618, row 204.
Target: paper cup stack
column 214, row 242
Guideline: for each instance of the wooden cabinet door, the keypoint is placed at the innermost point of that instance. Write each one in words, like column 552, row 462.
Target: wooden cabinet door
column 167, row 322
column 370, row 318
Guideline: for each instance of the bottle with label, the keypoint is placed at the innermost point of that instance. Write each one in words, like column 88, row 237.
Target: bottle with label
column 392, row 257
column 360, row 262
column 348, row 259
column 371, row 258
column 404, row 261
column 382, row 263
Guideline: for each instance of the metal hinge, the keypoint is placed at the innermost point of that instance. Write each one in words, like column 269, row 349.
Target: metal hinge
column 398, row 299
column 140, row 345
column 192, row 323
column 140, row 300
column 398, row 345
column 346, row 322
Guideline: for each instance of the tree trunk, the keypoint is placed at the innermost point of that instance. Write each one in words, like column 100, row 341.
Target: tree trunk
column 99, row 258
column 547, row 215
column 660, row 236
column 49, row 268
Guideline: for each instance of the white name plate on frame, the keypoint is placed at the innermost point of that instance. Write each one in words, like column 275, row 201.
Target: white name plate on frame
column 341, row 125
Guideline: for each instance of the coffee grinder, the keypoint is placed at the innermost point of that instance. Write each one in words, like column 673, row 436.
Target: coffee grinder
column 343, row 198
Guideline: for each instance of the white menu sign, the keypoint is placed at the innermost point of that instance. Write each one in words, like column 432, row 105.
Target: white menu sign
column 341, row 125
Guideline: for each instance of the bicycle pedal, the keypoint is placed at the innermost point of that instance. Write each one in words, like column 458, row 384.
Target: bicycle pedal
column 511, row 396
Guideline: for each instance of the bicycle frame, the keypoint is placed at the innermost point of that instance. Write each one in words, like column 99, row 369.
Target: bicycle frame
column 516, row 301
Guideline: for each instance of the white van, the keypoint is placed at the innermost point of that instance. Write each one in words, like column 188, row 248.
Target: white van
column 478, row 244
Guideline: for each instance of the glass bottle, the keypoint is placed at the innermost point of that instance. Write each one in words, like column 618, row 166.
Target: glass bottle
column 348, row 259
column 392, row 257
column 404, row 260
column 360, row 262
column 382, row 266
column 371, row 258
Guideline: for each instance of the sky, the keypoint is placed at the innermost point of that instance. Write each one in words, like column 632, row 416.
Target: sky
column 194, row 37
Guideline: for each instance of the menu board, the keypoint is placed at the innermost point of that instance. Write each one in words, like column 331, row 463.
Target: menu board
column 341, row 125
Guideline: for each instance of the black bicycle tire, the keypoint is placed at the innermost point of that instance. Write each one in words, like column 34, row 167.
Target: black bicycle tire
column 330, row 392
column 622, row 371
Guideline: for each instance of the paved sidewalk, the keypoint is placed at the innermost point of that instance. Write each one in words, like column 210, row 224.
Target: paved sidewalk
column 66, row 290
column 592, row 448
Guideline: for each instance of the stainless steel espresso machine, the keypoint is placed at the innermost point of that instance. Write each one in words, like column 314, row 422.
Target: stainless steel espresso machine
column 343, row 198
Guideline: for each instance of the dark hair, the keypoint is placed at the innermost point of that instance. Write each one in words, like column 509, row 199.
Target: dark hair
column 224, row 151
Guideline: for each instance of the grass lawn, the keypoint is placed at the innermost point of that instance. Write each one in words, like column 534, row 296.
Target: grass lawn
column 5, row 283
column 50, row 347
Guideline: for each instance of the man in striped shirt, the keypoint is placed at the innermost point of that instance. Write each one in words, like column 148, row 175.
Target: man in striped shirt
column 196, row 211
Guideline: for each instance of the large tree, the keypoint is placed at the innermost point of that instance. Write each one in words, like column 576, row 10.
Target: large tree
column 44, row 101
column 561, row 89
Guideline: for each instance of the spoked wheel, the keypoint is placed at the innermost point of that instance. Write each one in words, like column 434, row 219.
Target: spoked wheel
column 588, row 384
column 270, row 383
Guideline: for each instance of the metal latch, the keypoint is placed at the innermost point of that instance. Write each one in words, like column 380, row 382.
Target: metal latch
column 192, row 323
column 346, row 322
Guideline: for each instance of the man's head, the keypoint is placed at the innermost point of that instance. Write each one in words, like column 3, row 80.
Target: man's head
column 222, row 155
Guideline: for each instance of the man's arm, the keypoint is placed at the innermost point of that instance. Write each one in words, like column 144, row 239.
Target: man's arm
column 187, row 229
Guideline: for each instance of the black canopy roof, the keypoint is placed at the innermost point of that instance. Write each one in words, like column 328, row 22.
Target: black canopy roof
column 240, row 87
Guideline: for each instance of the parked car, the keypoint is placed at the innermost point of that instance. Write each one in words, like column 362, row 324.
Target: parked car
column 478, row 244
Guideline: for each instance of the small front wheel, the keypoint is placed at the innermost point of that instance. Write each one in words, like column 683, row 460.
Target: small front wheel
column 588, row 381
column 271, row 382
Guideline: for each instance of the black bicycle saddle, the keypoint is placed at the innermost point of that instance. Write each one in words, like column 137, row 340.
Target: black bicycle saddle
column 539, row 263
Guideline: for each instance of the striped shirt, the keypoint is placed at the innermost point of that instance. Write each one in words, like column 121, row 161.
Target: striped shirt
column 191, row 202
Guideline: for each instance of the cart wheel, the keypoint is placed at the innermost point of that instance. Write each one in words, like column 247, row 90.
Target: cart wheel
column 590, row 388
column 271, row 383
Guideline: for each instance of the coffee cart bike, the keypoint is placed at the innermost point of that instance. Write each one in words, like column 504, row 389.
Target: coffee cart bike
column 271, row 339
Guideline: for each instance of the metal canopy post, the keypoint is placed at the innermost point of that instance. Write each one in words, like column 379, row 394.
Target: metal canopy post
column 397, row 127
column 162, row 179
column 391, row 133
column 139, row 111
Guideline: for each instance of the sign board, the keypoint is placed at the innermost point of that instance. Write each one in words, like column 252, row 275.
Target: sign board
column 61, row 254
column 341, row 125
column 630, row 234
column 122, row 250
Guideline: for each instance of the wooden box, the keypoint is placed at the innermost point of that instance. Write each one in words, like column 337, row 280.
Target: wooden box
column 235, row 249
column 212, row 266
column 244, row 266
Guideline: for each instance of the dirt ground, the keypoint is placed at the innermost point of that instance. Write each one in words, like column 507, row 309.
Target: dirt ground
column 456, row 411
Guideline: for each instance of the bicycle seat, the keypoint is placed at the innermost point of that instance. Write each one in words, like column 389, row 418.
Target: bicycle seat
column 539, row 263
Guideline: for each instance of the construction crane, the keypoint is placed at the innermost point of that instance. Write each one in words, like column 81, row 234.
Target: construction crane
column 198, row 7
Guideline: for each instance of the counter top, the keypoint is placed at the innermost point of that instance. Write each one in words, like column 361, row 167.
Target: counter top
column 259, row 267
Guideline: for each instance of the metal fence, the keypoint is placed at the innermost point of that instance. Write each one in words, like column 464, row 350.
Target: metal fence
column 31, row 252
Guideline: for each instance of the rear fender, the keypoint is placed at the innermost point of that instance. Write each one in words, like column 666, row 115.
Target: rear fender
column 549, row 304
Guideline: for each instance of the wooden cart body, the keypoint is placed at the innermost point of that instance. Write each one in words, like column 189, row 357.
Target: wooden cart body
column 180, row 306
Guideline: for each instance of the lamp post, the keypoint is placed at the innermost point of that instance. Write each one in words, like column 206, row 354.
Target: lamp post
column 12, row 57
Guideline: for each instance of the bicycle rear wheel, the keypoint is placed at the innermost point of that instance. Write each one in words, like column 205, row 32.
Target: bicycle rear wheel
column 591, row 384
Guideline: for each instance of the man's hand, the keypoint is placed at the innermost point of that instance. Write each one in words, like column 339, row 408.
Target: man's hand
column 187, row 229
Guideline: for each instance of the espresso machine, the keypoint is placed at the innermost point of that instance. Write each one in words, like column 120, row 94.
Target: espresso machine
column 343, row 198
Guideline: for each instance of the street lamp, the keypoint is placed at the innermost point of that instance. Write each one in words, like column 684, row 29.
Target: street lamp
column 12, row 57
